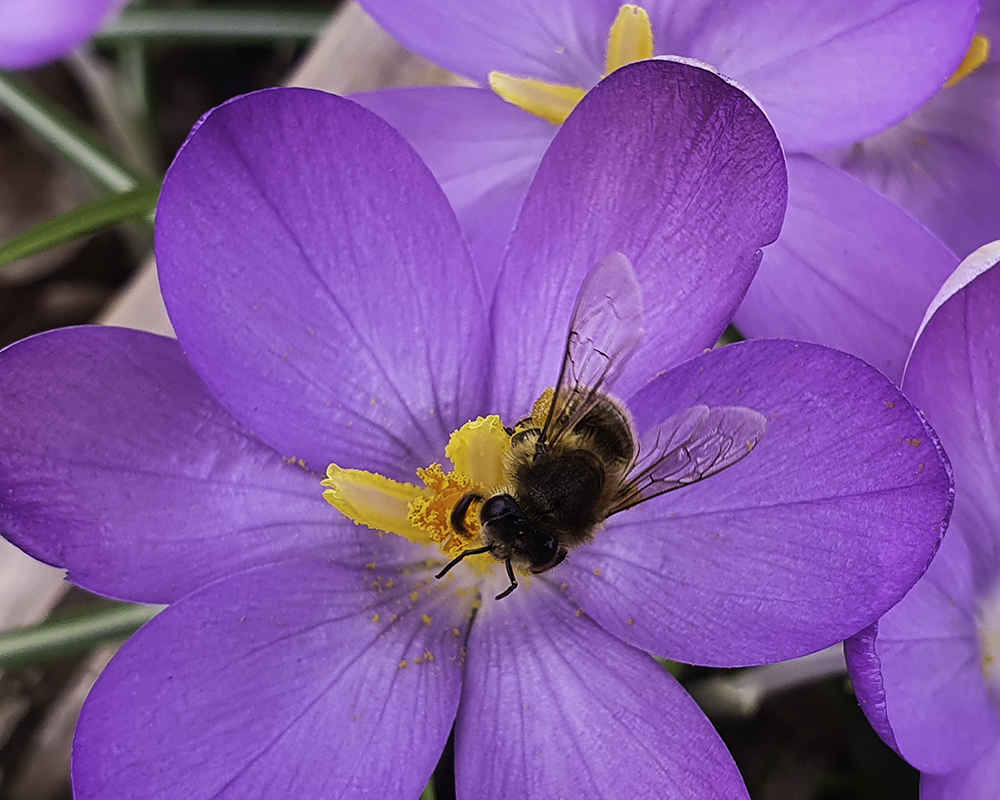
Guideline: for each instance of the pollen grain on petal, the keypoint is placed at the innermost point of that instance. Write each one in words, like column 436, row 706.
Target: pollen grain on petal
column 630, row 39
column 552, row 102
column 977, row 55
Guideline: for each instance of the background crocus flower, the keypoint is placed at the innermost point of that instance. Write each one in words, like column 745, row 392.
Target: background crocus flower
column 852, row 271
column 942, row 163
column 928, row 673
column 328, row 310
column 826, row 75
column 35, row 31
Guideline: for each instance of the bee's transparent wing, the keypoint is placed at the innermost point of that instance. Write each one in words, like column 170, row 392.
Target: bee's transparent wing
column 605, row 329
column 688, row 447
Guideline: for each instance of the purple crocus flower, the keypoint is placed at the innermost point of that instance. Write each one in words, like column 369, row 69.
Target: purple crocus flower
column 942, row 164
column 35, row 31
column 328, row 310
column 928, row 673
column 836, row 274
column 828, row 75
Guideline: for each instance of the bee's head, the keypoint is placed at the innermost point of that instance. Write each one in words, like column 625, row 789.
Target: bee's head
column 509, row 534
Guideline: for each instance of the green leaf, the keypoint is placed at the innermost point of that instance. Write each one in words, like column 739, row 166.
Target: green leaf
column 65, row 135
column 82, row 221
column 213, row 26
column 61, row 638
column 428, row 793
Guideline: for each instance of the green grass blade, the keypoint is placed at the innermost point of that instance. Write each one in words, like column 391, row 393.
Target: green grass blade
column 64, row 134
column 80, row 222
column 61, row 638
column 213, row 26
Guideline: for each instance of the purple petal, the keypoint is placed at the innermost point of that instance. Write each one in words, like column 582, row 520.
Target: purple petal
column 949, row 186
column 482, row 150
column 978, row 781
column 318, row 281
column 815, row 534
column 831, row 73
column 827, row 74
column 954, row 376
column 989, row 26
column 35, row 31
column 119, row 466
column 284, row 681
column 850, row 270
column 669, row 165
column 969, row 111
column 552, row 706
column 864, row 668
column 919, row 676
column 563, row 41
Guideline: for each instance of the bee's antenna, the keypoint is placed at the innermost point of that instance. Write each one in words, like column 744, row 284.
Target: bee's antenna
column 462, row 555
column 513, row 581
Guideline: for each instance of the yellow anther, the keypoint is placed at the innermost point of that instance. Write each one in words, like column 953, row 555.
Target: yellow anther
column 550, row 101
column 478, row 450
column 370, row 499
column 631, row 38
column 431, row 512
column 423, row 514
column 975, row 57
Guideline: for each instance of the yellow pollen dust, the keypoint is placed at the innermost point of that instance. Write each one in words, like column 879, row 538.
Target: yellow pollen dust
column 423, row 514
column 975, row 57
column 432, row 512
column 630, row 39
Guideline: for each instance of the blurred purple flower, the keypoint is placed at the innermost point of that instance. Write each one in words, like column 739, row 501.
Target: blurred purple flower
column 827, row 75
column 942, row 164
column 853, row 272
column 928, row 673
column 35, row 31
column 327, row 309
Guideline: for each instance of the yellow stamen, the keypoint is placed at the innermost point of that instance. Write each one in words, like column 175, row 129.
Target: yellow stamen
column 550, row 101
column 373, row 500
column 423, row 515
column 431, row 512
column 631, row 38
column 478, row 450
column 975, row 57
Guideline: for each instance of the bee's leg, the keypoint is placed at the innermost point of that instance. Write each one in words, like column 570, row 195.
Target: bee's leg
column 513, row 581
column 556, row 560
column 459, row 557
column 461, row 508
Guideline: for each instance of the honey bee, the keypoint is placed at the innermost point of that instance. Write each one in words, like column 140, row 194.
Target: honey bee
column 576, row 460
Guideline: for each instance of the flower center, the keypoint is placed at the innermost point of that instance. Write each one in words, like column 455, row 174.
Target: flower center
column 630, row 39
column 424, row 513
column 975, row 57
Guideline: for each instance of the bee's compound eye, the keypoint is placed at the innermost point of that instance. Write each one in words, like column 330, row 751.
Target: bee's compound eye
column 497, row 507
